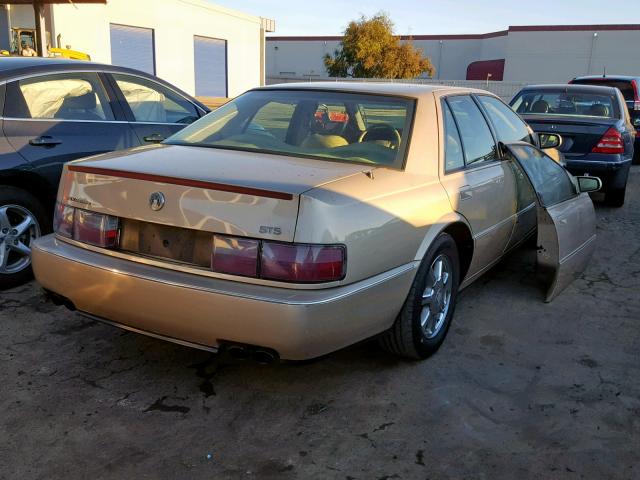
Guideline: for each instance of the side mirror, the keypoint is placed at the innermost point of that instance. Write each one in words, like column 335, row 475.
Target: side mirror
column 549, row 140
column 589, row 184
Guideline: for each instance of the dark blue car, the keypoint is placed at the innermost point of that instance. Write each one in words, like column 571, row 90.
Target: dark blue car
column 595, row 126
column 630, row 88
column 56, row 110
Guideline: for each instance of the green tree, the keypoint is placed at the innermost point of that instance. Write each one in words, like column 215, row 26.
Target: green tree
column 369, row 49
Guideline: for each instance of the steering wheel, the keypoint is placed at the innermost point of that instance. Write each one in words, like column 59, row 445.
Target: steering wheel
column 381, row 131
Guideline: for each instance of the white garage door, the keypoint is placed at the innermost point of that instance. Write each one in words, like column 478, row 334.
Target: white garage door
column 210, row 66
column 133, row 47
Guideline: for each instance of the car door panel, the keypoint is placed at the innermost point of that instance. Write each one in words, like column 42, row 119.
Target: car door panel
column 49, row 144
column 566, row 239
column 52, row 119
column 566, row 219
column 483, row 195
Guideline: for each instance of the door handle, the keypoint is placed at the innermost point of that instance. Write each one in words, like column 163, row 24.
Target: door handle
column 465, row 194
column 154, row 138
column 44, row 141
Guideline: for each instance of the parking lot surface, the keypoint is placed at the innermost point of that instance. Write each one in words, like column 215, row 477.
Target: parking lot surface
column 520, row 389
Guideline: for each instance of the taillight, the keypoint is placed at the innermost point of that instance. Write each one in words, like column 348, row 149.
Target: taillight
column 63, row 220
column 236, row 256
column 87, row 227
column 286, row 262
column 302, row 263
column 611, row 142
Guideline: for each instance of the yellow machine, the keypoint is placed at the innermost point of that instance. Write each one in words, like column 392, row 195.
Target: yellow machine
column 67, row 53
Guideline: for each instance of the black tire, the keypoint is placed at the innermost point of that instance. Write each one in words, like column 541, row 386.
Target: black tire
column 17, row 196
column 406, row 337
column 614, row 197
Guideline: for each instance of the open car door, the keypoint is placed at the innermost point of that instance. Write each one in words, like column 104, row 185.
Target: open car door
column 566, row 217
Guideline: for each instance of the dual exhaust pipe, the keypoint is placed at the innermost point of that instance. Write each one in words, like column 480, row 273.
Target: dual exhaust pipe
column 263, row 356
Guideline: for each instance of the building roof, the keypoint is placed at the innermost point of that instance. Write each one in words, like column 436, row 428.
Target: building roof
column 480, row 36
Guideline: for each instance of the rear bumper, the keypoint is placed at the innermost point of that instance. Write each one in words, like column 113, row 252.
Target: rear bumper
column 613, row 170
column 205, row 312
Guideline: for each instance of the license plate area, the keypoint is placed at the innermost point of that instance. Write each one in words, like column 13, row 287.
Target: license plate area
column 176, row 244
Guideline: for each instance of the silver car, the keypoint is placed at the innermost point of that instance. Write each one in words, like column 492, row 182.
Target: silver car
column 299, row 219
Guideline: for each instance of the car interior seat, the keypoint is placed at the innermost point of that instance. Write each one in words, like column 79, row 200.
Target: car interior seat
column 316, row 140
column 80, row 107
column 540, row 106
column 598, row 110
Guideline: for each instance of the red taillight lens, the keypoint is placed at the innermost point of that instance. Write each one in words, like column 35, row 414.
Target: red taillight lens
column 286, row 262
column 611, row 142
column 63, row 220
column 302, row 263
column 96, row 229
column 236, row 256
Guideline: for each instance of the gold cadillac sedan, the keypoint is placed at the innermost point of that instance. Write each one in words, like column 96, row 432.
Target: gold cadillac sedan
column 299, row 219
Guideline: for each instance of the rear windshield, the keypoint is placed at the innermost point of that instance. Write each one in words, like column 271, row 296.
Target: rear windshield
column 326, row 125
column 563, row 102
column 625, row 86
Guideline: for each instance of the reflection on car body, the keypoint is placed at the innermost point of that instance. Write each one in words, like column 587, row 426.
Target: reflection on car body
column 293, row 229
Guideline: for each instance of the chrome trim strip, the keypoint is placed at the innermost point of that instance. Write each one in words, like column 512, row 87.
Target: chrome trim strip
column 494, row 227
column 61, row 120
column 578, row 250
column 147, row 333
column 343, row 291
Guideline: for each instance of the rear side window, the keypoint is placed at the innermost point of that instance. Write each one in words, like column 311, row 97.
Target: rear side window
column 509, row 127
column 68, row 96
column 453, row 155
column 151, row 102
column 477, row 139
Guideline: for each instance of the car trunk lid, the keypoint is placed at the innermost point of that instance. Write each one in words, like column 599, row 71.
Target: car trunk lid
column 200, row 189
column 579, row 134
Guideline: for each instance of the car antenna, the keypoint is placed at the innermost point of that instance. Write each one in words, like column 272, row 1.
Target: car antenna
column 604, row 71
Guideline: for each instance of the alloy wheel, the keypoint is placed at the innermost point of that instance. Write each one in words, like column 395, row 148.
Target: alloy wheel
column 18, row 229
column 436, row 298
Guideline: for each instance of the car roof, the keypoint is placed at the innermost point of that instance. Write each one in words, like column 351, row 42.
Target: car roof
column 607, row 77
column 383, row 88
column 573, row 88
column 15, row 67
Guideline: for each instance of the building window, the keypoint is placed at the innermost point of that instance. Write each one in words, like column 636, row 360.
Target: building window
column 133, row 47
column 210, row 63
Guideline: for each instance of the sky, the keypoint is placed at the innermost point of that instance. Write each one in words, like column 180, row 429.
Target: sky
column 434, row 17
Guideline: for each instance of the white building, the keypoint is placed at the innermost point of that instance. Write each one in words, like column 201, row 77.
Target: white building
column 550, row 53
column 205, row 49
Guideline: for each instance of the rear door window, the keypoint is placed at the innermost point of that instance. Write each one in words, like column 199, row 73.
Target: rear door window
column 477, row 140
column 508, row 125
column 67, row 96
column 151, row 102
column 453, row 154
column 550, row 180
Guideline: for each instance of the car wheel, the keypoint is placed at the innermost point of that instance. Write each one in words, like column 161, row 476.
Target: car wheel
column 615, row 196
column 426, row 314
column 22, row 220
